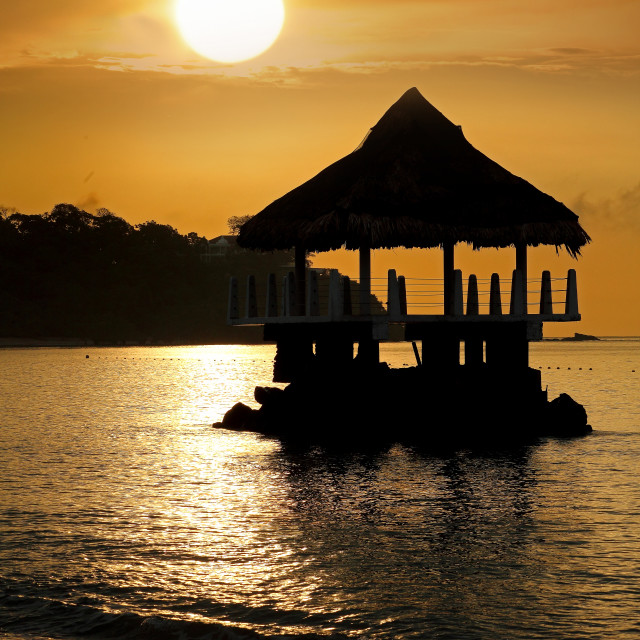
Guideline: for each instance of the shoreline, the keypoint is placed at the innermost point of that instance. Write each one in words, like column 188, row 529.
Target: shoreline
column 10, row 342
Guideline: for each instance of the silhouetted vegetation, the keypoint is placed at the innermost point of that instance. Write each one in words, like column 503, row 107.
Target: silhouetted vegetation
column 72, row 274
column 235, row 222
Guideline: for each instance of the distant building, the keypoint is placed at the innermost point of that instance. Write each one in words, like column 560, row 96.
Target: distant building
column 220, row 247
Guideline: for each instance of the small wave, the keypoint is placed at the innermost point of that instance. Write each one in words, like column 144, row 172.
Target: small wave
column 36, row 617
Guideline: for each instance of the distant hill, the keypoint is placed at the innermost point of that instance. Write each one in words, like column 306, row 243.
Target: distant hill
column 84, row 277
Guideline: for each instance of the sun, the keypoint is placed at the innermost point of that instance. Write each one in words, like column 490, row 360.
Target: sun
column 229, row 30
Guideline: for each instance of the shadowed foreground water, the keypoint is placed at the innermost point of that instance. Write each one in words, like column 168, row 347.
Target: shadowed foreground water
column 123, row 514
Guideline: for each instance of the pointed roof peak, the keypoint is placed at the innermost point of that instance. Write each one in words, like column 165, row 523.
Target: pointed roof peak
column 412, row 116
column 410, row 101
column 414, row 181
column 412, row 97
column 412, row 92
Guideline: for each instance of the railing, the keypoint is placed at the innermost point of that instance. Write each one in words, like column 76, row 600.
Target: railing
column 403, row 300
column 425, row 295
column 543, row 296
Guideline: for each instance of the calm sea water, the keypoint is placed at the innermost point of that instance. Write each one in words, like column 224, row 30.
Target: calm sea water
column 123, row 514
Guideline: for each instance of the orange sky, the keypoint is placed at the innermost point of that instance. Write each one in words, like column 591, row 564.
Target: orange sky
column 103, row 105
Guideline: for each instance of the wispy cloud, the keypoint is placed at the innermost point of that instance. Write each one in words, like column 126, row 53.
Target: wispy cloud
column 38, row 32
column 90, row 202
column 572, row 51
column 354, row 36
column 552, row 62
column 619, row 212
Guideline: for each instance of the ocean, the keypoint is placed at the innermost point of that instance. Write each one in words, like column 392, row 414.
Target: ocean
column 124, row 514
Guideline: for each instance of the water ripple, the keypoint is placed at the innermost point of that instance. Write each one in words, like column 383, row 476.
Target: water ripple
column 123, row 514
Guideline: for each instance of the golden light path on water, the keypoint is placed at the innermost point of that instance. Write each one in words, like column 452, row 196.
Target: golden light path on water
column 117, row 496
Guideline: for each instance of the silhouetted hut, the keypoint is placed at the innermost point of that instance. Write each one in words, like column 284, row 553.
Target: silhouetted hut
column 414, row 181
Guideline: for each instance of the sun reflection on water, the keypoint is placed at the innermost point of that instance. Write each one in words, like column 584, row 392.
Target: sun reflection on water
column 117, row 492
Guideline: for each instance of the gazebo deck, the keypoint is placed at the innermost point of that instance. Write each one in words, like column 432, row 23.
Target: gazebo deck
column 402, row 306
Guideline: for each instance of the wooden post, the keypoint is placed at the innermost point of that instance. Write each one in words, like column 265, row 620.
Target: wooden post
column 448, row 269
column 347, row 307
column 285, row 295
column 368, row 348
column 393, row 294
column 368, row 352
column 272, row 297
column 334, row 352
column 521, row 265
column 416, row 353
column 336, row 303
column 473, row 352
column 472, row 296
column 441, row 351
column 402, row 292
column 571, row 303
column 294, row 353
column 365, row 280
column 313, row 294
column 289, row 295
column 508, row 348
column 301, row 272
column 252, row 305
column 458, row 306
column 517, row 303
column 233, row 310
column 546, row 300
column 495, row 302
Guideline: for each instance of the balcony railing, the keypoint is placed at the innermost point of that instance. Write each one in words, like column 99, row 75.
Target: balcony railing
column 405, row 300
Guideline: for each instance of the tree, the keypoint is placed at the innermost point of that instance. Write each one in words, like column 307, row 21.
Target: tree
column 6, row 212
column 235, row 222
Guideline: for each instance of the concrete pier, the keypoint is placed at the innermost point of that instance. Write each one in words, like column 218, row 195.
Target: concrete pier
column 470, row 359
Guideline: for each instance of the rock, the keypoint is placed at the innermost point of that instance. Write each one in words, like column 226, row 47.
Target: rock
column 263, row 395
column 240, row 417
column 580, row 337
column 409, row 405
column 566, row 417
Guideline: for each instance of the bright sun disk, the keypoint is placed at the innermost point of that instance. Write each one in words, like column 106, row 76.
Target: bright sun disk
column 229, row 30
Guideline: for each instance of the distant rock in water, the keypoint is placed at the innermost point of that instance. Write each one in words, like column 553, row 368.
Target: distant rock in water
column 578, row 337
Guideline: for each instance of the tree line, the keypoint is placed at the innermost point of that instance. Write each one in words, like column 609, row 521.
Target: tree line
column 68, row 273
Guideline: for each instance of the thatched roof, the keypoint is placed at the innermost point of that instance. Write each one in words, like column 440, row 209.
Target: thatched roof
column 414, row 181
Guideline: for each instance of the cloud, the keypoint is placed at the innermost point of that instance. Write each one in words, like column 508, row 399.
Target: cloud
column 37, row 31
column 619, row 212
column 355, row 36
column 572, row 51
column 552, row 62
column 90, row 202
column 40, row 16
column 492, row 6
